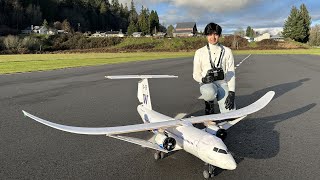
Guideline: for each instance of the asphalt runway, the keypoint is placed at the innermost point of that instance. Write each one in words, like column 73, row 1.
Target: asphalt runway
column 281, row 141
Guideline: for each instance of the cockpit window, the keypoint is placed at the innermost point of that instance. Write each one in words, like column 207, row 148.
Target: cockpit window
column 220, row 150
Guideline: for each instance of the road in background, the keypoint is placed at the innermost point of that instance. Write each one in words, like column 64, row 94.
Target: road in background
column 279, row 142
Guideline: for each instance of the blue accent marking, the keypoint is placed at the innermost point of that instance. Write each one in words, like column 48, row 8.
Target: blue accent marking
column 146, row 118
column 145, row 99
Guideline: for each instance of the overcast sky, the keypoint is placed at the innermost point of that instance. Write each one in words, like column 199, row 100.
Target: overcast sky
column 230, row 14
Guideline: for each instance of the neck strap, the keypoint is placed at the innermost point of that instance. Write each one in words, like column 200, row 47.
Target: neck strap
column 220, row 58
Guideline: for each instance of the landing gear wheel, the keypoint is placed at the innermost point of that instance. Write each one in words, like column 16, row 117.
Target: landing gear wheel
column 157, row 155
column 211, row 170
column 162, row 155
column 206, row 174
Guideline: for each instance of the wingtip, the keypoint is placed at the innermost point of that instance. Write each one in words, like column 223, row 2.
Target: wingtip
column 272, row 93
column 24, row 113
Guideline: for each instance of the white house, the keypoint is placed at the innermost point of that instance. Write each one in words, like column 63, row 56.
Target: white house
column 262, row 37
column 249, row 39
column 136, row 34
column 114, row 34
column 97, row 34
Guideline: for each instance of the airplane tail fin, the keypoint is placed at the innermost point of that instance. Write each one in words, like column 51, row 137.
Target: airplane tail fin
column 143, row 86
column 144, row 93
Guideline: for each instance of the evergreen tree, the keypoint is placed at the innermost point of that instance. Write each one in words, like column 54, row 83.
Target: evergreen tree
column 34, row 14
column 294, row 26
column 143, row 21
column 93, row 15
column 306, row 22
column 250, row 32
column 45, row 24
column 170, row 31
column 133, row 17
column 154, row 22
column 115, row 7
column 132, row 28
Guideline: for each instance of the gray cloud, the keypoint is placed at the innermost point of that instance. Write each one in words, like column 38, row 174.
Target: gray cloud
column 230, row 14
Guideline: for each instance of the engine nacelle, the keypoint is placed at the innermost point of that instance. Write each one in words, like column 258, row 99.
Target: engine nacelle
column 168, row 143
column 214, row 130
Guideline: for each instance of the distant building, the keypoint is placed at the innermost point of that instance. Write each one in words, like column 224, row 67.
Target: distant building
column 137, row 34
column 160, row 35
column 226, row 35
column 114, row 34
column 262, row 37
column 97, row 34
column 185, row 29
column 28, row 30
column 277, row 38
column 39, row 30
column 249, row 39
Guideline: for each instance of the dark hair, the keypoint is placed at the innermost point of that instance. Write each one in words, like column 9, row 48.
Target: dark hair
column 212, row 28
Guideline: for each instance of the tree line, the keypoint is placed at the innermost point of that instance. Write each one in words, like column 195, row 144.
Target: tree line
column 80, row 15
column 296, row 27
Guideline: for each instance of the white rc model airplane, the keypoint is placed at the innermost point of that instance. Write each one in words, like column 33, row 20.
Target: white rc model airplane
column 174, row 134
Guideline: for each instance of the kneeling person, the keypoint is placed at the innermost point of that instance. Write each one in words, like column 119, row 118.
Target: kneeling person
column 213, row 68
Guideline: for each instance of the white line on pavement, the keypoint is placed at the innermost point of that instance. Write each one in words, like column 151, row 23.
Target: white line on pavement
column 242, row 61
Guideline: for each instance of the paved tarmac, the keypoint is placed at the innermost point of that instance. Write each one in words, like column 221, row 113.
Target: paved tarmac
column 281, row 141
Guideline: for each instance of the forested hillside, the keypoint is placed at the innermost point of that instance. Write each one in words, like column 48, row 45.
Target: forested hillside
column 83, row 15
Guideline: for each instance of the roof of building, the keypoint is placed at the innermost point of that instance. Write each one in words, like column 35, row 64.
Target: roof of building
column 183, row 31
column 113, row 32
column 276, row 37
column 184, row 25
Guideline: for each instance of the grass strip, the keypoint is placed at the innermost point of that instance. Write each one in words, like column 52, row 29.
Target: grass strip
column 40, row 62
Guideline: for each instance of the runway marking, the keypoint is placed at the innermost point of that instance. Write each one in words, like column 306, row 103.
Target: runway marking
column 242, row 61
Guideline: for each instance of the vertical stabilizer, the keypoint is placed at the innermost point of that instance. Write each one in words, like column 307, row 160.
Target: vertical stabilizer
column 144, row 93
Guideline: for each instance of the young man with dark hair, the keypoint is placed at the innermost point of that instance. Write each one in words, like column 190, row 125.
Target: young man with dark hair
column 213, row 68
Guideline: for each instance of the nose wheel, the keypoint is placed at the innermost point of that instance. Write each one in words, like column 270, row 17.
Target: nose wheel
column 159, row 155
column 210, row 172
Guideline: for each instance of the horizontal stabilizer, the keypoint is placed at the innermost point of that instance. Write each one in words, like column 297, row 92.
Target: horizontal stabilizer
column 140, row 142
column 256, row 106
column 141, row 76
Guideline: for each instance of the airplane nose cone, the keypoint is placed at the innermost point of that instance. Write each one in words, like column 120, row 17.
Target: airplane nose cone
column 231, row 165
column 228, row 163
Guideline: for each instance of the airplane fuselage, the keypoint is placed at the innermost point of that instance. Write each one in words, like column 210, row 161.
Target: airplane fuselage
column 197, row 142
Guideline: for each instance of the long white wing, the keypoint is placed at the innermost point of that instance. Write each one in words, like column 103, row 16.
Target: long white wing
column 259, row 104
column 254, row 107
column 105, row 130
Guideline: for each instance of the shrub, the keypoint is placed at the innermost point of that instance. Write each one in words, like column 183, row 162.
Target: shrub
column 232, row 41
column 11, row 42
column 1, row 44
column 31, row 43
column 268, row 43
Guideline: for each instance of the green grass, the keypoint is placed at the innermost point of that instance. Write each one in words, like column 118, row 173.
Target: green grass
column 34, row 62
column 40, row 62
